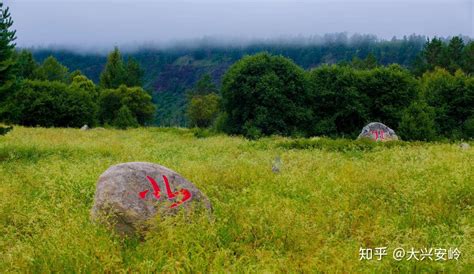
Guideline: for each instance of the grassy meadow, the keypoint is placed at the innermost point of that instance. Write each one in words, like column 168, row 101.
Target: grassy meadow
column 330, row 199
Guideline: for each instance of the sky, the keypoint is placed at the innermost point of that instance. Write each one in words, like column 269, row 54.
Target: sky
column 90, row 24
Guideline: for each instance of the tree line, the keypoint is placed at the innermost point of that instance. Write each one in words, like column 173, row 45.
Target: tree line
column 49, row 95
column 264, row 94
column 170, row 72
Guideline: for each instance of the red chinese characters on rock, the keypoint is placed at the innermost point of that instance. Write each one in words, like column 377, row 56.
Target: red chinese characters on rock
column 186, row 194
column 378, row 134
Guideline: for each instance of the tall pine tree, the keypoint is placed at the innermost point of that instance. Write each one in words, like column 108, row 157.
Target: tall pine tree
column 8, row 80
column 114, row 73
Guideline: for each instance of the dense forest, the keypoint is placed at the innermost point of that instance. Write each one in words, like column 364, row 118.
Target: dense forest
column 169, row 72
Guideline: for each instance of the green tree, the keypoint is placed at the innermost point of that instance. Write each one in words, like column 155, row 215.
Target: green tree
column 390, row 89
column 468, row 58
column 454, row 54
column 418, row 122
column 369, row 62
column 137, row 100
column 8, row 81
column 450, row 56
column 83, row 83
column 203, row 103
column 125, row 118
column 134, row 73
column 340, row 108
column 267, row 94
column 434, row 53
column 52, row 70
column 203, row 109
column 73, row 74
column 27, row 65
column 452, row 97
column 114, row 73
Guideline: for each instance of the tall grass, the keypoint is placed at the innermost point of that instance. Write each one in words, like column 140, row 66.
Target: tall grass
column 330, row 199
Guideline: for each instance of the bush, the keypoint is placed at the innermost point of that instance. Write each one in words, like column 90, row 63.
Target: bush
column 125, row 119
column 468, row 128
column 338, row 145
column 5, row 130
column 266, row 94
column 220, row 122
column 345, row 99
column 203, row 133
column 418, row 123
column 52, row 104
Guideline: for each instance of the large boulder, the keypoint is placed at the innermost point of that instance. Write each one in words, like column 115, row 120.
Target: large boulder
column 378, row 132
column 130, row 194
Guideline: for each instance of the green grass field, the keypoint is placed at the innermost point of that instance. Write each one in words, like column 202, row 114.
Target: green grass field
column 329, row 200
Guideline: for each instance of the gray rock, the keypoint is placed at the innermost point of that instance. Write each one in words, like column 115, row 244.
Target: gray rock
column 464, row 146
column 378, row 132
column 276, row 164
column 130, row 194
column 85, row 127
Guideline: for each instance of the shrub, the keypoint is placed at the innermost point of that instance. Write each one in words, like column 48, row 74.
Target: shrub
column 338, row 145
column 48, row 104
column 125, row 119
column 5, row 130
column 468, row 128
column 135, row 99
column 418, row 123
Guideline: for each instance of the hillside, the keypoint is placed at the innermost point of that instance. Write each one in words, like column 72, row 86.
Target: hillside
column 170, row 71
column 315, row 215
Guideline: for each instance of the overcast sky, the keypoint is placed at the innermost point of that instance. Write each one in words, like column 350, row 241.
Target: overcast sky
column 105, row 23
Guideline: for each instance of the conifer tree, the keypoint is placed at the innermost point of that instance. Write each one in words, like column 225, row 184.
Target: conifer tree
column 134, row 73
column 7, row 48
column 27, row 65
column 52, row 70
column 114, row 72
column 8, row 79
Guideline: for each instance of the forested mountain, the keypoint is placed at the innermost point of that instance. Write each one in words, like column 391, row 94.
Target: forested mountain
column 169, row 72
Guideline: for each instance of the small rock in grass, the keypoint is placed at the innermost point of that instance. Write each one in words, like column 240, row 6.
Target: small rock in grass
column 464, row 146
column 276, row 165
column 85, row 127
